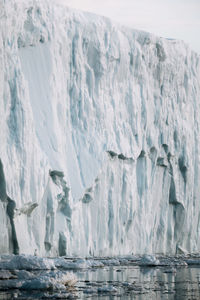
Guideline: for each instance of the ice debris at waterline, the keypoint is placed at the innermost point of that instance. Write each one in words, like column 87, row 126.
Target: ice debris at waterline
column 25, row 276
column 19, row 273
column 99, row 136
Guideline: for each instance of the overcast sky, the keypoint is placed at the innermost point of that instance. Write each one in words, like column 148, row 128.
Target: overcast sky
column 168, row 18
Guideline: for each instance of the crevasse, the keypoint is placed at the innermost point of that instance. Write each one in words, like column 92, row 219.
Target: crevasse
column 99, row 136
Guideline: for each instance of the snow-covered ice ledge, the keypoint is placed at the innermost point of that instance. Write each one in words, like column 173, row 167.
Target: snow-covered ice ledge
column 99, row 136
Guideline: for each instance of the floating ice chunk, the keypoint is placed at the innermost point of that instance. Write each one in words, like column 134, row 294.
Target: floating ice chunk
column 94, row 263
column 70, row 264
column 51, row 280
column 5, row 274
column 11, row 284
column 23, row 274
column 191, row 261
column 111, row 262
column 42, row 283
column 149, row 260
column 27, row 262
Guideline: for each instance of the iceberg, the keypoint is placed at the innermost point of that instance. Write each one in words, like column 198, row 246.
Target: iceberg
column 100, row 126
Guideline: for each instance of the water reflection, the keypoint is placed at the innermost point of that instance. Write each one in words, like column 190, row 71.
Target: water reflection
column 132, row 282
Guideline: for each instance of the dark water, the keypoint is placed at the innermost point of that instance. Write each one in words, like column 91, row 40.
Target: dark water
column 125, row 282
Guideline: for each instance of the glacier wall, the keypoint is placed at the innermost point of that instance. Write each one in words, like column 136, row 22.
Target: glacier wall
column 99, row 136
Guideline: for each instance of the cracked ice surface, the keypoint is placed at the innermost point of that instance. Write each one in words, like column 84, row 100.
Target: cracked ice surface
column 99, row 136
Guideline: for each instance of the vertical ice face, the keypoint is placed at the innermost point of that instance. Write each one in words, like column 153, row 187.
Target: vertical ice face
column 99, row 136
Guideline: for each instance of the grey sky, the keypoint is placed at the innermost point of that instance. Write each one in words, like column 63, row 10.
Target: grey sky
column 168, row 18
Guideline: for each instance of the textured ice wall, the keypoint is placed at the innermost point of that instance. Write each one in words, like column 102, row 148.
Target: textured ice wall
column 99, row 136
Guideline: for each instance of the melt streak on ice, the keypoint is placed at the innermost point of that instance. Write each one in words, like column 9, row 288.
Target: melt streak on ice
column 99, row 131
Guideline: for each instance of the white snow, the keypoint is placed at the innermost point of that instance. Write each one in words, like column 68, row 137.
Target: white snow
column 117, row 111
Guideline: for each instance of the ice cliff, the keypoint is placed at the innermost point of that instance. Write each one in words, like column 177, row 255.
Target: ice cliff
column 99, row 133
